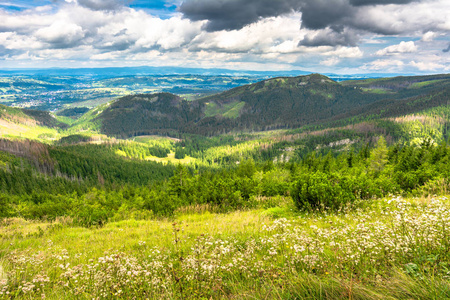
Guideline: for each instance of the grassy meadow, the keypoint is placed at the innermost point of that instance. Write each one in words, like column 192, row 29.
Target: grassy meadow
column 391, row 248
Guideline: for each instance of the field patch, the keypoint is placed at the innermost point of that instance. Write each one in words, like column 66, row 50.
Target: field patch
column 230, row 110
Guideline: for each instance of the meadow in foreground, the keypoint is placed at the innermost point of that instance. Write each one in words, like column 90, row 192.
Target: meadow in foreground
column 392, row 248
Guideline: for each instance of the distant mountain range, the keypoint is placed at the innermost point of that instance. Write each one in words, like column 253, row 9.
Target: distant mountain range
column 136, row 71
column 143, row 71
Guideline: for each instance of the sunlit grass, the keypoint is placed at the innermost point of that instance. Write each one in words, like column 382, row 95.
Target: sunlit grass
column 15, row 130
column 391, row 248
column 229, row 110
column 171, row 158
column 377, row 90
column 425, row 83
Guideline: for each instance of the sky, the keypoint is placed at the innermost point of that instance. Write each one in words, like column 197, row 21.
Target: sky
column 326, row 36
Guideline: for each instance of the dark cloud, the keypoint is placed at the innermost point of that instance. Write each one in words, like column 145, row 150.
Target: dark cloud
column 103, row 4
column 377, row 2
column 333, row 15
column 63, row 43
column 9, row 53
column 319, row 14
column 235, row 14
column 330, row 37
column 117, row 46
column 119, row 42
column 61, row 36
column 447, row 49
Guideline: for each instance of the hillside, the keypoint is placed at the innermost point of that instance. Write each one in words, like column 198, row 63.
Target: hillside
column 27, row 123
column 407, row 85
column 282, row 103
column 161, row 113
column 279, row 103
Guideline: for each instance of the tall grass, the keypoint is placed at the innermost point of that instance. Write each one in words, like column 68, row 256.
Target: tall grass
column 392, row 248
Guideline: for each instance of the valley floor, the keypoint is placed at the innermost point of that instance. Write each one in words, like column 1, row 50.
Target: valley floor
column 391, row 248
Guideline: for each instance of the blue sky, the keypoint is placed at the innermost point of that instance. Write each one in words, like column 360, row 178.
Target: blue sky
column 339, row 36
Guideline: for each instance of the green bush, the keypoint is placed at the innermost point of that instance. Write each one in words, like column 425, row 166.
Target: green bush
column 322, row 191
column 365, row 186
column 274, row 182
column 92, row 215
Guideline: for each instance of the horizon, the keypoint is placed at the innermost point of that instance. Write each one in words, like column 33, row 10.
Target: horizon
column 219, row 71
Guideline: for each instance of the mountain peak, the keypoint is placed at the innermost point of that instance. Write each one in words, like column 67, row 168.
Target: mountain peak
column 316, row 79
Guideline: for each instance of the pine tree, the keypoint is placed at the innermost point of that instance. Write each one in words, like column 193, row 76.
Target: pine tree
column 379, row 155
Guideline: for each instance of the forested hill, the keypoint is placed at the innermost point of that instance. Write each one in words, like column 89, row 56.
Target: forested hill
column 285, row 102
column 161, row 113
column 407, row 86
column 275, row 103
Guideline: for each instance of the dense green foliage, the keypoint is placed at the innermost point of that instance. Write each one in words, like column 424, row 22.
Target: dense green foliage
column 93, row 183
column 45, row 118
column 74, row 139
column 161, row 113
column 73, row 112
column 406, row 85
column 99, row 163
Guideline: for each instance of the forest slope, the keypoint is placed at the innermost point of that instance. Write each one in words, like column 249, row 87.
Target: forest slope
column 289, row 102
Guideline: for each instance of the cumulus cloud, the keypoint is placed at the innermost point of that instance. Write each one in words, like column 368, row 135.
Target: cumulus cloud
column 271, row 35
column 330, row 37
column 426, row 66
column 61, row 34
column 343, row 21
column 14, row 41
column 403, row 47
column 235, row 14
column 429, row 36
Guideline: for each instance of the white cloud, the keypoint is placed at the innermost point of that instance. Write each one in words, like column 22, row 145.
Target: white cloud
column 61, row 34
column 429, row 36
column 403, row 47
column 373, row 40
column 347, row 52
column 26, row 56
column 271, row 35
column 385, row 65
column 421, row 16
column 426, row 66
column 14, row 41
column 332, row 61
